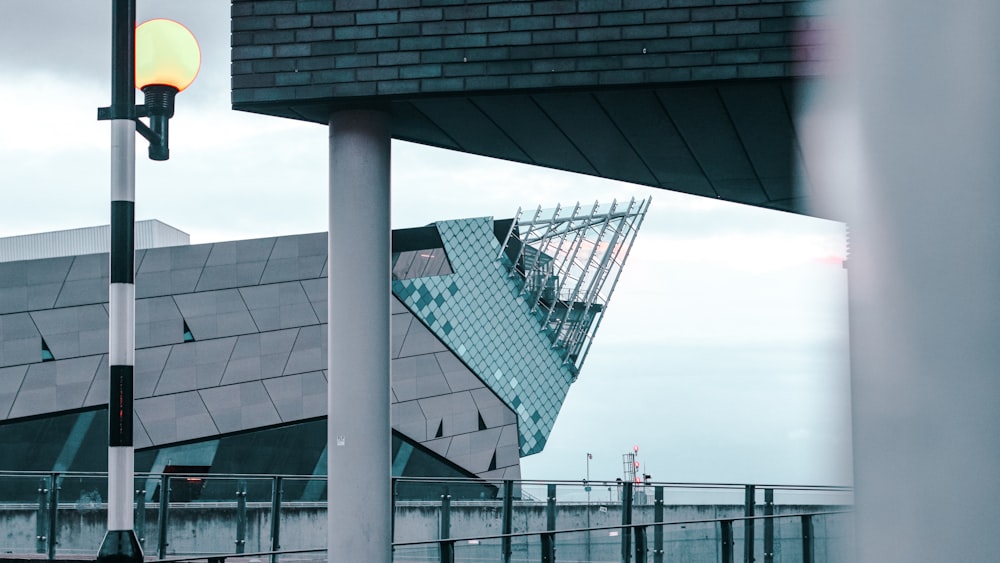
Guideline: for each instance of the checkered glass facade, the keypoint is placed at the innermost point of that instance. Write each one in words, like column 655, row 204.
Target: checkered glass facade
column 479, row 313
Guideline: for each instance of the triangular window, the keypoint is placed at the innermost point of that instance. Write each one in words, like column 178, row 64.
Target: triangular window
column 188, row 337
column 493, row 462
column 46, row 353
column 440, row 431
column 482, row 423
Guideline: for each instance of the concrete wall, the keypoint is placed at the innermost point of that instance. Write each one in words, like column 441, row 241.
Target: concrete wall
column 208, row 528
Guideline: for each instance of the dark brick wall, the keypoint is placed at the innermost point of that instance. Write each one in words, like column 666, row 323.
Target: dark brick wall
column 285, row 50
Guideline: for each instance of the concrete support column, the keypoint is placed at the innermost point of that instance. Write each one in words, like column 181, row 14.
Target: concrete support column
column 358, row 429
column 917, row 126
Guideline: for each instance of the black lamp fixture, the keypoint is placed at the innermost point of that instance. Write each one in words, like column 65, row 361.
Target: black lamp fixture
column 167, row 60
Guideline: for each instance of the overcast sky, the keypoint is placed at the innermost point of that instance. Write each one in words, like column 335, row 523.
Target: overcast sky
column 723, row 354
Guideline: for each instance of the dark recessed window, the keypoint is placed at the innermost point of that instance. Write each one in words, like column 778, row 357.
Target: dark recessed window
column 46, row 353
column 188, row 337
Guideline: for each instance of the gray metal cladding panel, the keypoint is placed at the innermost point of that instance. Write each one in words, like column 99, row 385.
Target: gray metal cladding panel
column 457, row 410
column 167, row 271
column 280, row 305
column 439, row 446
column 316, row 292
column 417, row 377
column 195, row 365
column 512, row 473
column 298, row 396
column 175, row 258
column 309, row 351
column 396, row 306
column 235, row 264
column 100, row 390
column 74, row 331
column 259, row 356
column 214, row 314
column 240, row 407
column 494, row 411
column 55, row 386
column 158, row 322
column 419, row 340
column 474, row 451
column 20, row 342
column 460, row 378
column 174, row 418
column 400, row 325
column 82, row 292
column 10, row 382
column 296, row 258
column 140, row 438
column 13, row 299
column 89, row 267
column 166, row 283
column 32, row 273
column 86, row 283
column 508, row 451
column 149, row 364
column 241, row 252
column 410, row 420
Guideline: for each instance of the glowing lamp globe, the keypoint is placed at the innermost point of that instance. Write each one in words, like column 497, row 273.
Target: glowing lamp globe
column 166, row 54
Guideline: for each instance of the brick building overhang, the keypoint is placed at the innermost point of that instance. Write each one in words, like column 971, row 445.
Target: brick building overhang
column 695, row 96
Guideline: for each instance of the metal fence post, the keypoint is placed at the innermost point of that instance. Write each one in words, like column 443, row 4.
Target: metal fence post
column 640, row 544
column 140, row 515
column 548, row 547
column 161, row 517
column 807, row 539
column 626, row 522
column 748, row 511
column 550, row 508
column 241, row 516
column 549, row 539
column 769, row 526
column 508, row 518
column 42, row 516
column 275, row 517
column 658, row 530
column 727, row 540
column 447, row 548
column 53, row 514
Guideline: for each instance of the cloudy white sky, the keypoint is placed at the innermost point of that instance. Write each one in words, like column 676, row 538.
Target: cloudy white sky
column 723, row 354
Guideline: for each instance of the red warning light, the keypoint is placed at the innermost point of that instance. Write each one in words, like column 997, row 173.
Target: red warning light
column 635, row 448
column 636, row 464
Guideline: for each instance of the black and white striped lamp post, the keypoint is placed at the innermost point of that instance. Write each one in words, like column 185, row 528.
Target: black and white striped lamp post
column 162, row 58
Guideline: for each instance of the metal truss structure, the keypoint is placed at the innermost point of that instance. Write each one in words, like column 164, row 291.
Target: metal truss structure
column 565, row 258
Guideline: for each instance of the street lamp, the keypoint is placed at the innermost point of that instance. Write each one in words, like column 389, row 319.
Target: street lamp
column 163, row 75
column 167, row 60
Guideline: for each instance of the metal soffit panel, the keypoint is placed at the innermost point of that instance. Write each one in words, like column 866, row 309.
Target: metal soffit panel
column 734, row 141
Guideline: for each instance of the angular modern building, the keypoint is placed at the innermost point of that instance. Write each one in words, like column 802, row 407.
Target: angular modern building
column 491, row 323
